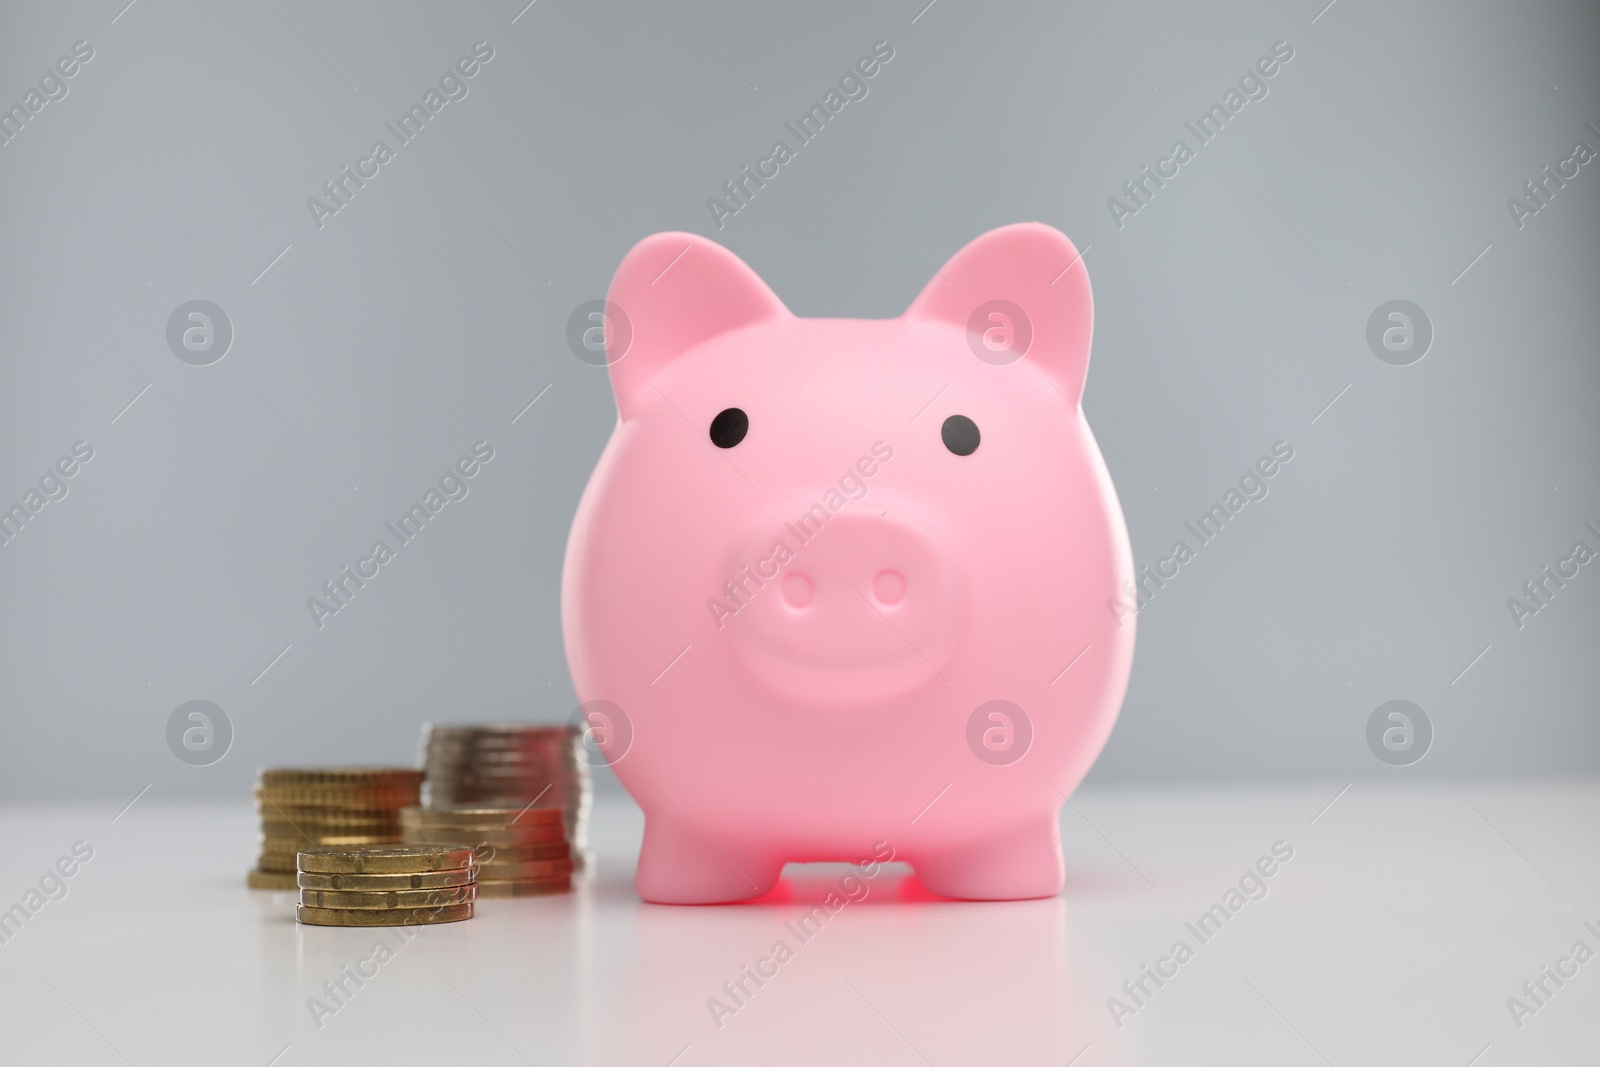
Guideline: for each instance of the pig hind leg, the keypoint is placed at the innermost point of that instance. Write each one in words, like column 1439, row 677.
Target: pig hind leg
column 680, row 865
column 1020, row 862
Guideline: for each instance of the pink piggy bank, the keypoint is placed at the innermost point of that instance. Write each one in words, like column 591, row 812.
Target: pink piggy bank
column 846, row 589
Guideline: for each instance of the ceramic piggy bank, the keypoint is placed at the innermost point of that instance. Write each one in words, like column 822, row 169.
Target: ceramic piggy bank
column 847, row 589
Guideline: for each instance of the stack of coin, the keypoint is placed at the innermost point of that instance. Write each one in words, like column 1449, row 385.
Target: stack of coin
column 335, row 806
column 510, row 765
column 397, row 885
column 521, row 851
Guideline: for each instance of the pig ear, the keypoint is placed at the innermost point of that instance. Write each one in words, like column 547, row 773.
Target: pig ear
column 675, row 291
column 1036, row 270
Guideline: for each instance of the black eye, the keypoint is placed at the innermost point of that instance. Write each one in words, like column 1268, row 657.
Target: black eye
column 960, row 435
column 731, row 424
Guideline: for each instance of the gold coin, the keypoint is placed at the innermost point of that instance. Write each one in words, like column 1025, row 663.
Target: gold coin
column 533, row 869
column 281, row 834
column 381, row 882
column 311, row 829
column 336, row 799
column 295, row 806
column 343, row 787
column 296, row 842
column 386, row 859
column 277, row 857
column 311, row 805
column 301, row 842
column 523, row 853
column 523, row 888
column 326, row 776
column 259, row 879
column 327, row 821
column 395, row 898
column 496, row 836
column 328, row 817
column 367, row 917
column 480, row 818
column 530, row 832
column 290, row 844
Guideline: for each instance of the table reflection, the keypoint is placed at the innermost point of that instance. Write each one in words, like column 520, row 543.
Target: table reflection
column 833, row 967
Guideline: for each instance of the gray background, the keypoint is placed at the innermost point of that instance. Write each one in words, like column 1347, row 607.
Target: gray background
column 426, row 315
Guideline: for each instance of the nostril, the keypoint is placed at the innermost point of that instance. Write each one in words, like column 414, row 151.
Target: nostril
column 797, row 589
column 889, row 587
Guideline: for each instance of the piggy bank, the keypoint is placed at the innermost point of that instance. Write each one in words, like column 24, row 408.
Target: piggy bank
column 850, row 589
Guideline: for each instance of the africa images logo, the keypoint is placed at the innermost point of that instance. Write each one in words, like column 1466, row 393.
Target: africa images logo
column 741, row 589
column 741, row 189
column 453, row 485
column 452, row 87
column 1252, row 86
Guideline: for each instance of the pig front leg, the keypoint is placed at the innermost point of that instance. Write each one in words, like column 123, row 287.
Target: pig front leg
column 680, row 865
column 1019, row 862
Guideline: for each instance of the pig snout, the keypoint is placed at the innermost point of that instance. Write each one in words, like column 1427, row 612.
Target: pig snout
column 863, row 607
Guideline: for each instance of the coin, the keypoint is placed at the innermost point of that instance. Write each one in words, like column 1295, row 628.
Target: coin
column 379, row 882
column 324, row 776
column 295, row 831
column 301, row 815
column 282, row 853
column 315, row 840
column 341, row 790
column 517, row 782
column 475, row 763
column 395, row 898
column 285, row 833
column 314, row 782
column 387, row 859
column 552, row 743
column 384, row 917
column 554, row 756
column 272, row 821
column 504, row 764
column 511, row 835
column 523, row 853
column 532, row 869
column 529, row 888
column 352, row 806
column 508, row 765
column 521, row 729
column 308, row 808
column 338, row 800
column 259, row 879
column 483, row 818
column 542, row 836
column 475, row 766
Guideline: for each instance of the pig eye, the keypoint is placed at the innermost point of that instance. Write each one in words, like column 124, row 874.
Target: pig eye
column 960, row 435
column 730, row 426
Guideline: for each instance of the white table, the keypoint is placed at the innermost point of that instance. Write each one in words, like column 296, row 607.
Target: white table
column 1395, row 935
